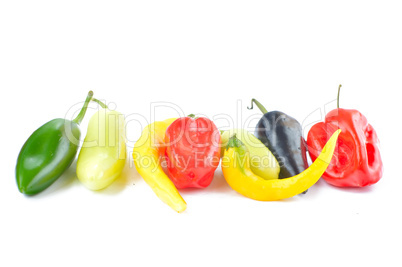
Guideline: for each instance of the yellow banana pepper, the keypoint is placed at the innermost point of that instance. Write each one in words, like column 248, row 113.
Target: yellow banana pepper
column 262, row 161
column 103, row 155
column 147, row 154
column 237, row 172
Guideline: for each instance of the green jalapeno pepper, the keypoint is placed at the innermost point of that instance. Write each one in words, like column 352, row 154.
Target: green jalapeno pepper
column 48, row 152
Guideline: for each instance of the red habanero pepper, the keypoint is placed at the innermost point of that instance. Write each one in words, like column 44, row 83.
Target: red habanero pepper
column 357, row 160
column 192, row 151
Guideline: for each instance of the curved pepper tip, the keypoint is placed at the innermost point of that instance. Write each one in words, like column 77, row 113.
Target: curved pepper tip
column 21, row 189
column 331, row 145
column 26, row 191
column 335, row 135
column 181, row 208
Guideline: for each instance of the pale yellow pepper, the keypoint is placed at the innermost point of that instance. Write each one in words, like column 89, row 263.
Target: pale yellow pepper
column 237, row 172
column 262, row 161
column 147, row 154
column 103, row 155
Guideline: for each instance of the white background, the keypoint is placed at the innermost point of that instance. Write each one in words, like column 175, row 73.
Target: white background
column 206, row 57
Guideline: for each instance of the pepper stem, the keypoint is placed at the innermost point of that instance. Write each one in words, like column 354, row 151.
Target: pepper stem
column 100, row 103
column 234, row 142
column 259, row 105
column 81, row 115
column 337, row 99
column 192, row 116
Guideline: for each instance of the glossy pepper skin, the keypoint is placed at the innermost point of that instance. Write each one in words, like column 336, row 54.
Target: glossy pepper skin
column 48, row 152
column 357, row 160
column 148, row 154
column 237, row 172
column 283, row 136
column 192, row 151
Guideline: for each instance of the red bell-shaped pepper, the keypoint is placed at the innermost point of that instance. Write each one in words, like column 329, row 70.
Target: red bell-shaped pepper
column 192, row 151
column 357, row 160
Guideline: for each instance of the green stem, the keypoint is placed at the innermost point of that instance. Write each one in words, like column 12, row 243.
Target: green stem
column 81, row 115
column 100, row 103
column 259, row 105
column 192, row 116
column 234, row 142
column 337, row 99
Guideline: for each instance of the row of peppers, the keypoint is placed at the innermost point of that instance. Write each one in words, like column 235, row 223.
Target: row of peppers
column 185, row 152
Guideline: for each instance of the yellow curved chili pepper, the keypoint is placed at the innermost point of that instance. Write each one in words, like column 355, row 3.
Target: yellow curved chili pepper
column 147, row 160
column 237, row 172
